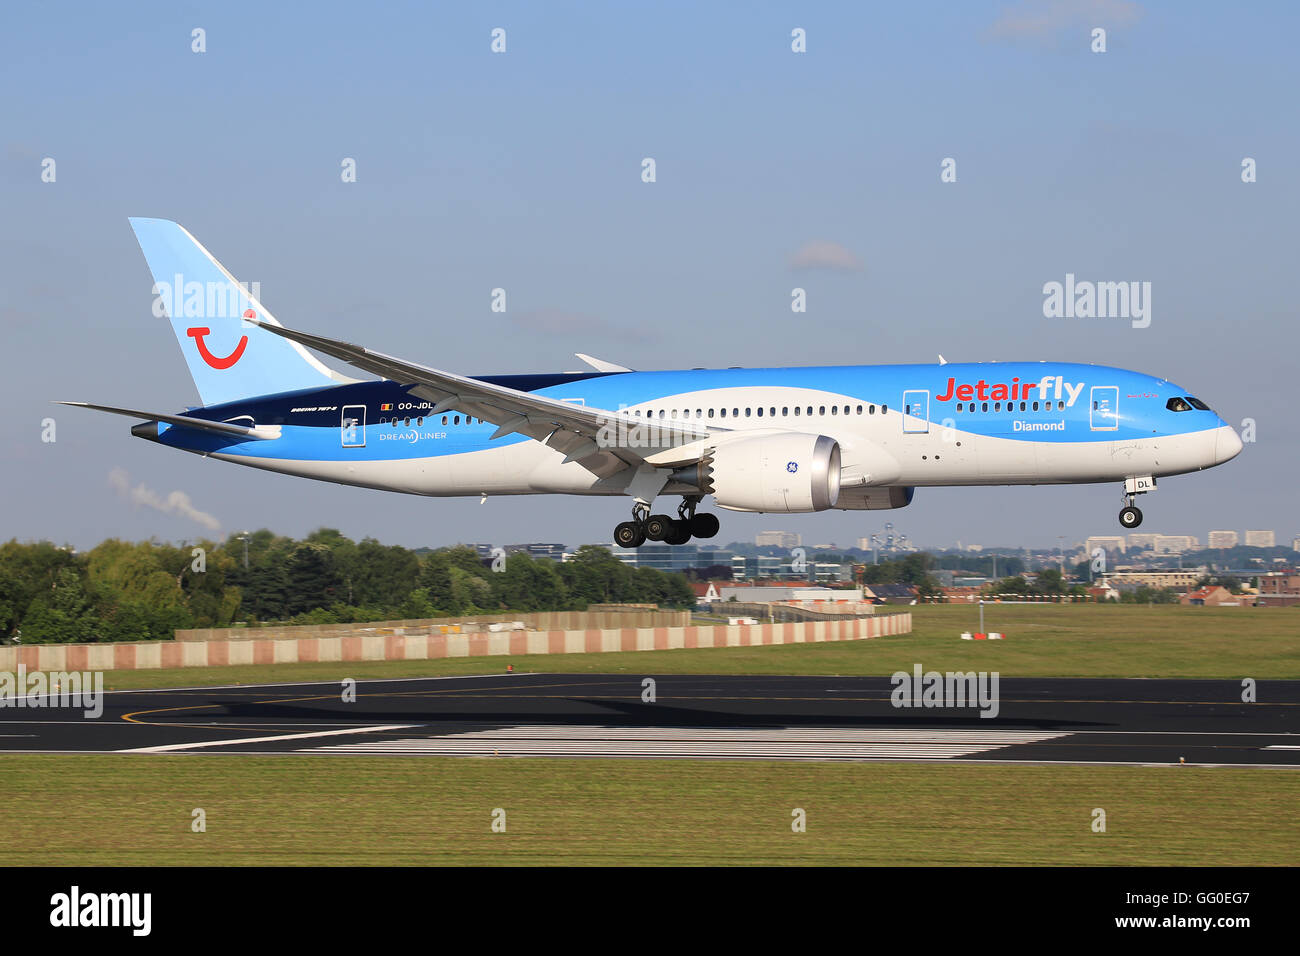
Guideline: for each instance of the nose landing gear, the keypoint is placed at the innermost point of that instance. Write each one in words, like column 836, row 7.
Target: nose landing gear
column 1130, row 516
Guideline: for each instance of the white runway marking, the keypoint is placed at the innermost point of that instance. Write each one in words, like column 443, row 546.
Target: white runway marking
column 257, row 740
column 833, row 743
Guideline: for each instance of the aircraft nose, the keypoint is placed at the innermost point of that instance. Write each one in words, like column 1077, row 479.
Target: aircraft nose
column 1227, row 445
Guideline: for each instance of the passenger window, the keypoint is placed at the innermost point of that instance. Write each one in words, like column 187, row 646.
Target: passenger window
column 821, row 410
column 747, row 413
column 859, row 409
column 710, row 413
column 835, row 409
column 735, row 413
column 406, row 423
column 985, row 407
column 760, row 413
column 797, row 409
column 785, row 411
column 722, row 412
column 871, row 409
column 997, row 406
column 419, row 422
column 1035, row 406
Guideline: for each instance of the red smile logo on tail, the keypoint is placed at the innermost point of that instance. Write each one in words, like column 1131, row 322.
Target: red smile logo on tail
column 197, row 334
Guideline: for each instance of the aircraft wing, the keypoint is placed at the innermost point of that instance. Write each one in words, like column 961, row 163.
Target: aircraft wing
column 587, row 435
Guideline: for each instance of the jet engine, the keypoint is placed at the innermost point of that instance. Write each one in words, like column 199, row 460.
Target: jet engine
column 780, row 473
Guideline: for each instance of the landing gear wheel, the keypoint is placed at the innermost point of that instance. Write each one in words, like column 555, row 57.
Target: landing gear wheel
column 629, row 534
column 679, row 532
column 1130, row 517
column 705, row 526
column 657, row 527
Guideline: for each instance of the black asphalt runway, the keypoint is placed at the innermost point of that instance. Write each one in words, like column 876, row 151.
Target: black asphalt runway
column 830, row 718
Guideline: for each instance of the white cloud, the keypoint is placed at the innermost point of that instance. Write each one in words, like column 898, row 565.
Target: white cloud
column 824, row 254
column 1045, row 18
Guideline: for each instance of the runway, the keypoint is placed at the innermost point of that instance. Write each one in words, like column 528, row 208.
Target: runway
column 1072, row 720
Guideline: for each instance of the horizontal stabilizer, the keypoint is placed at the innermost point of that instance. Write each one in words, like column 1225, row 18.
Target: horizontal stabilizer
column 187, row 421
column 600, row 365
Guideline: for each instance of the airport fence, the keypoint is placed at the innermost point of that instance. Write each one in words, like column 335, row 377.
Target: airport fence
column 434, row 646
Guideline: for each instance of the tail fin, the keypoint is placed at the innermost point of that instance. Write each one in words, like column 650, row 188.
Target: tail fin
column 229, row 357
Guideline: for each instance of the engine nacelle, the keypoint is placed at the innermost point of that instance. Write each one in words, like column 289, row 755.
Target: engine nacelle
column 780, row 473
column 875, row 499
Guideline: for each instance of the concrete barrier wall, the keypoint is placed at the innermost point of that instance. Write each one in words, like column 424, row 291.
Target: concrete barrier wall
column 541, row 621
column 419, row 647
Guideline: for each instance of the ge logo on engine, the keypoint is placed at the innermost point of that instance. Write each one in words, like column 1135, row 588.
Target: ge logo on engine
column 792, row 467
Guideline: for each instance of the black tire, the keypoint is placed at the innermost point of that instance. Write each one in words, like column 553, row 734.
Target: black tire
column 656, row 527
column 679, row 533
column 629, row 534
column 705, row 526
column 1130, row 517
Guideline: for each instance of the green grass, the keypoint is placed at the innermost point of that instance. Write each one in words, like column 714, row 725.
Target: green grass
column 129, row 810
column 1082, row 640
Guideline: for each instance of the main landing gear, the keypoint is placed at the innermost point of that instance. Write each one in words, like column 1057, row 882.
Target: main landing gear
column 647, row 527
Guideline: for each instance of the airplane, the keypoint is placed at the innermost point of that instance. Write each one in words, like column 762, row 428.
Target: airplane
column 763, row 440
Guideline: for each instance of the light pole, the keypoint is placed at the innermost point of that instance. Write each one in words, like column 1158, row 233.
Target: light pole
column 243, row 536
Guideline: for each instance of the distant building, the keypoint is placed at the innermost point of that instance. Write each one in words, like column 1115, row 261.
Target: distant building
column 778, row 539
column 1180, row 578
column 894, row 593
column 1279, row 590
column 1295, row 543
column 1279, row 584
column 1175, row 543
column 665, row 557
column 554, row 552
column 1223, row 539
column 1106, row 543
column 1142, row 541
column 1102, row 591
column 749, row 594
column 1259, row 539
column 1213, row 596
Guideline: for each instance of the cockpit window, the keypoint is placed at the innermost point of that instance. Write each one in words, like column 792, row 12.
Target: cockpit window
column 1197, row 403
column 1177, row 404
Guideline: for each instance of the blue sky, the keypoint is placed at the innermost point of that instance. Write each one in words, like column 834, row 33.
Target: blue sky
column 522, row 170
